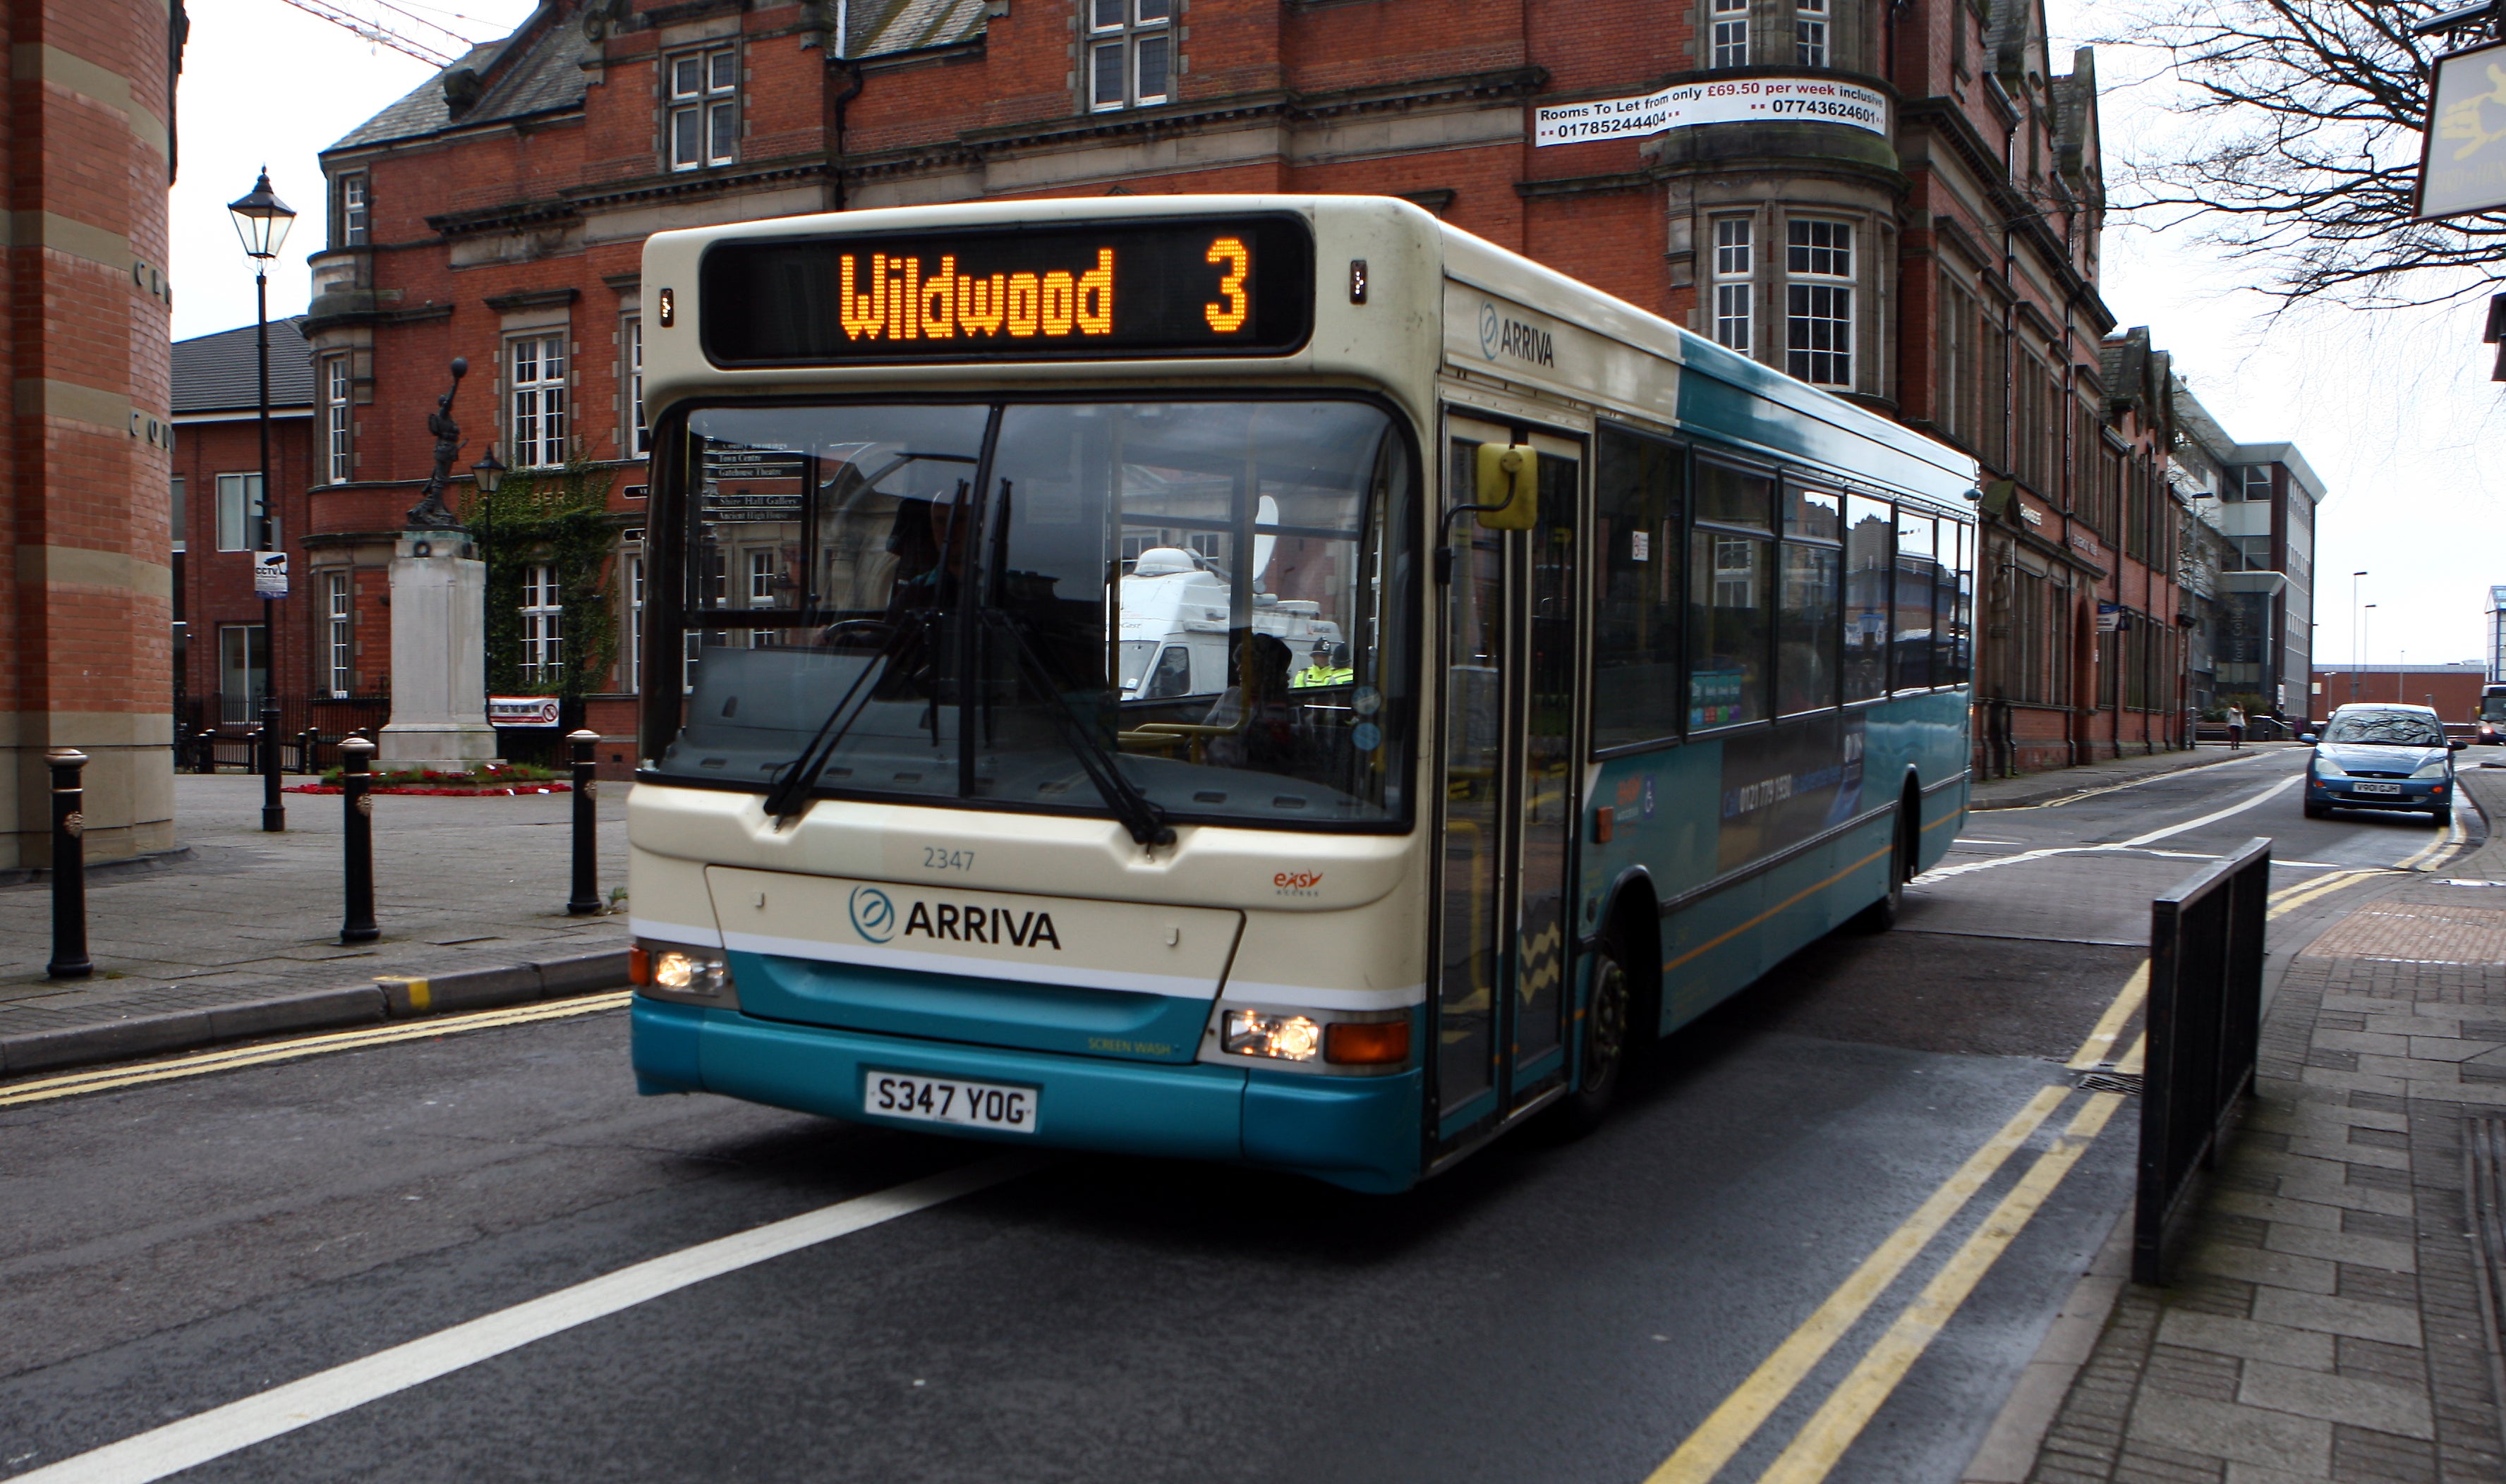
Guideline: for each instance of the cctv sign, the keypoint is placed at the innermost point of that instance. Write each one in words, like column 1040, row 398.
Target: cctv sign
column 269, row 573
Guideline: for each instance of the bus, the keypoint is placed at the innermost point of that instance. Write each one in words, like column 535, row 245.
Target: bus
column 1649, row 666
column 2489, row 725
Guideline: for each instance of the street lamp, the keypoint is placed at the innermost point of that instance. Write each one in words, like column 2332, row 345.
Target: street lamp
column 2365, row 626
column 262, row 220
column 2354, row 641
column 489, row 473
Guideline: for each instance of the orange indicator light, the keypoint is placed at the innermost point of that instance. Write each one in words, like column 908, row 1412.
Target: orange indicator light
column 1366, row 1043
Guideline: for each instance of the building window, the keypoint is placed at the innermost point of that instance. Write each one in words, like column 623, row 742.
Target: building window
column 704, row 108
column 1730, row 33
column 178, row 513
column 352, row 209
column 243, row 671
column 761, row 578
column 635, row 624
column 543, row 625
column 639, row 438
column 239, row 511
column 340, row 622
column 538, row 400
column 1131, row 50
column 1732, row 283
column 1819, row 317
column 334, row 418
column 2258, row 483
column 1809, row 32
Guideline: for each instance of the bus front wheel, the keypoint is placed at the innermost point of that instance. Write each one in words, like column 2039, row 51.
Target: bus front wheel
column 1605, row 1040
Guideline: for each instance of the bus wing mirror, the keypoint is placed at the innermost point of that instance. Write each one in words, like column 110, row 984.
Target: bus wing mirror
column 1509, row 486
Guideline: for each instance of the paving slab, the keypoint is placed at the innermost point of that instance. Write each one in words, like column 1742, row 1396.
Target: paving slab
column 242, row 920
column 2330, row 1279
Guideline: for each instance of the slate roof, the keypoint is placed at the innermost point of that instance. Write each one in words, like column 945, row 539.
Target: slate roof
column 220, row 373
column 545, row 75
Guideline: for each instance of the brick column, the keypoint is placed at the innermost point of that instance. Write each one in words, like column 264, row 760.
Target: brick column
column 86, row 586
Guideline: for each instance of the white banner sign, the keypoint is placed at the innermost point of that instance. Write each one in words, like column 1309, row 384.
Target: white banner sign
column 269, row 573
column 522, row 711
column 1815, row 100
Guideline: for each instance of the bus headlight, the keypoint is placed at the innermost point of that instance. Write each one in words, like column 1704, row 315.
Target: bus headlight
column 679, row 972
column 1288, row 1038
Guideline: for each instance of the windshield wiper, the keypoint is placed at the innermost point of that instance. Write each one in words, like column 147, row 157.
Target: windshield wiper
column 1139, row 813
column 791, row 797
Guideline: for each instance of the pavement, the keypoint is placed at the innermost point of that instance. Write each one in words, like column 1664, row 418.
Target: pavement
column 243, row 925
column 2030, row 789
column 2334, row 1316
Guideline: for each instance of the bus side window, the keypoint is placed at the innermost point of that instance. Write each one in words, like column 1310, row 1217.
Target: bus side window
column 1640, row 488
column 1869, row 526
column 1173, row 675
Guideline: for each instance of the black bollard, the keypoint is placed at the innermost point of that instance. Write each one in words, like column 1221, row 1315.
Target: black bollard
column 69, row 867
column 357, row 833
column 309, row 743
column 585, row 900
column 208, row 740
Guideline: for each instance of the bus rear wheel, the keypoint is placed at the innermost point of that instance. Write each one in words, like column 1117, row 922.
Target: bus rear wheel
column 1605, row 1040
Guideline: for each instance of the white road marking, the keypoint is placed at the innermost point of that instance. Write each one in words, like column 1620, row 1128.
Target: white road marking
column 256, row 1419
column 2259, row 796
column 2117, row 788
column 2137, row 843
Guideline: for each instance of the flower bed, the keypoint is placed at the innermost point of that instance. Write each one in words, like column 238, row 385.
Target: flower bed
column 502, row 780
column 493, row 792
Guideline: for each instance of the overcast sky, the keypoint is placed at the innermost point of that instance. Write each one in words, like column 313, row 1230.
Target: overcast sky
column 2393, row 409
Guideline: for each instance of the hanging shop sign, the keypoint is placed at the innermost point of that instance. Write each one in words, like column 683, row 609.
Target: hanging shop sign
column 1741, row 100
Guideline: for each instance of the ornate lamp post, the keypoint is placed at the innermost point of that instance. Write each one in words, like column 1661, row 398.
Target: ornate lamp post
column 262, row 220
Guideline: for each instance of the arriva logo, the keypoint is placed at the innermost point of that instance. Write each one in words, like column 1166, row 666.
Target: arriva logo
column 874, row 915
column 1492, row 328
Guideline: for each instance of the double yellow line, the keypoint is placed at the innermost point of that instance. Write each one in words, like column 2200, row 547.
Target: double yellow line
column 1821, row 1441
column 107, row 1079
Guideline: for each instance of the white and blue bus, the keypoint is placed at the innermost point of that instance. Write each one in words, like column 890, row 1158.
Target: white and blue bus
column 1544, row 674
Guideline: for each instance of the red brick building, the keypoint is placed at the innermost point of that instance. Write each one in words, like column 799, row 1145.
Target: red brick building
column 221, row 660
column 1930, row 250
column 85, row 588
column 2453, row 690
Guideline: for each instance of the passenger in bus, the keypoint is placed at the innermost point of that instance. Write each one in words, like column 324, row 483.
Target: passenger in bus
column 1265, row 732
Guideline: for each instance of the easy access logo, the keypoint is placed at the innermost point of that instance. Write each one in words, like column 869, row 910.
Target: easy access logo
column 873, row 914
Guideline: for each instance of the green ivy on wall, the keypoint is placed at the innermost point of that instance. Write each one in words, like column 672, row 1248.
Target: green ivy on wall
column 559, row 516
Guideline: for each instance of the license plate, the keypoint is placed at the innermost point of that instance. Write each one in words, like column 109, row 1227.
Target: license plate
column 2375, row 788
column 946, row 1100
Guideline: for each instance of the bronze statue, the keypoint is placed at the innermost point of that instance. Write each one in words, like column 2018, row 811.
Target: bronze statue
column 431, row 513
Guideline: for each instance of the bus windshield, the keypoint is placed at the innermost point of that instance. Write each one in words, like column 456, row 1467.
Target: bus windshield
column 2492, row 705
column 896, row 599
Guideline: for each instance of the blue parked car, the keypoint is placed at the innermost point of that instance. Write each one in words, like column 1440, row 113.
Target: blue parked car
column 2382, row 757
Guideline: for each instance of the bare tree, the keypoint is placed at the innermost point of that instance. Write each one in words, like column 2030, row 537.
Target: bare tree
column 2303, row 148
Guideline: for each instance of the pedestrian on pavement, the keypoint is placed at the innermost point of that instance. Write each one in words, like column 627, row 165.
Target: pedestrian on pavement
column 2235, row 727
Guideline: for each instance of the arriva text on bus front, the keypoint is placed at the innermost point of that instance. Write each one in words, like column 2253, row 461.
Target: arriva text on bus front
column 905, row 298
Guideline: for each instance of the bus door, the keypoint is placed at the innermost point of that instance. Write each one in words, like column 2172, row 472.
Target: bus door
column 1509, row 807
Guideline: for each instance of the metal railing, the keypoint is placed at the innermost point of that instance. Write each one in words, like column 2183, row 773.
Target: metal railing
column 2204, row 1029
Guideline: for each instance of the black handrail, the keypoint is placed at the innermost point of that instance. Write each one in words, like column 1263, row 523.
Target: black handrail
column 2204, row 1030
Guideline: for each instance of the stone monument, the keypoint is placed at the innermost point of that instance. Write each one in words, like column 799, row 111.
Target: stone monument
column 439, row 625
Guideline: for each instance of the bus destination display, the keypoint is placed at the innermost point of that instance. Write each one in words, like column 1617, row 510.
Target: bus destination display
column 1193, row 287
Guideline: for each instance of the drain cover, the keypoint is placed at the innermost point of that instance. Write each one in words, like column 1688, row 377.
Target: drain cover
column 2124, row 1082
